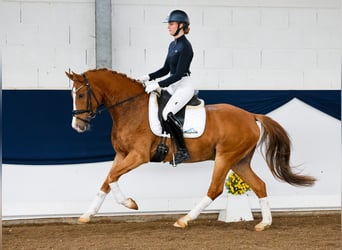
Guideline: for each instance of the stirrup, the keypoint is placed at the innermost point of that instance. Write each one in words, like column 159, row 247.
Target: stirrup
column 181, row 155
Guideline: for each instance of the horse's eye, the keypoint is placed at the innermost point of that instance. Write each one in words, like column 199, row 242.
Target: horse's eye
column 80, row 95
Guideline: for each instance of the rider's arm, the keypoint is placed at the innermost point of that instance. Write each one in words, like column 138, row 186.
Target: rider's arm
column 183, row 65
column 160, row 72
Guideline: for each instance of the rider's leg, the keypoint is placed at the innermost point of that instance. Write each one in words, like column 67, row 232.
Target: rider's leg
column 175, row 128
column 182, row 93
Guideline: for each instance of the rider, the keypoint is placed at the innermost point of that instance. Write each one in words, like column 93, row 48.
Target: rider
column 178, row 83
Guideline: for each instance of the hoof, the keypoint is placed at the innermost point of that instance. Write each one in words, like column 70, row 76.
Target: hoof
column 182, row 222
column 130, row 203
column 261, row 226
column 83, row 219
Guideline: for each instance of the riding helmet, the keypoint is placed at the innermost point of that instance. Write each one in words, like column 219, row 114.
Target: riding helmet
column 178, row 16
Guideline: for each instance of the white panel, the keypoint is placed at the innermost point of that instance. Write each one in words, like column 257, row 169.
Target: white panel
column 126, row 15
column 82, row 35
column 156, row 15
column 9, row 13
column 250, row 17
column 213, row 17
column 50, row 77
column 55, row 1
column 247, row 58
column 77, row 59
column 22, row 34
column 238, row 3
column 328, row 18
column 329, row 59
column 128, row 61
column 322, row 79
column 289, row 59
column 34, row 13
column 206, row 78
column 19, row 56
column 244, row 27
column 121, row 36
column 25, row 77
column 38, row 42
column 321, row 38
column 154, row 36
column 206, row 38
column 275, row 18
column 218, row 58
column 302, row 18
column 234, row 79
column 274, row 79
column 279, row 38
column 60, row 35
column 240, row 37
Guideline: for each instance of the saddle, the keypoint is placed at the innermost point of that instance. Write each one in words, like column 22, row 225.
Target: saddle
column 192, row 117
column 162, row 100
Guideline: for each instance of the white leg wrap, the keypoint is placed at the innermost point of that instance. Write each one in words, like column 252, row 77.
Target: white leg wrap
column 118, row 195
column 94, row 207
column 195, row 212
column 265, row 211
column 97, row 202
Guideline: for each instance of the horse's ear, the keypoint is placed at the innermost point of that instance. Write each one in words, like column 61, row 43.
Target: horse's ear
column 70, row 76
column 76, row 77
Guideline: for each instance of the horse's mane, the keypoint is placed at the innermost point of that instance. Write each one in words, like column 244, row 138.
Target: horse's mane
column 115, row 73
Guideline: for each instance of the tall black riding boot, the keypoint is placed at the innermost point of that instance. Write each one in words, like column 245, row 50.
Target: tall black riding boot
column 176, row 131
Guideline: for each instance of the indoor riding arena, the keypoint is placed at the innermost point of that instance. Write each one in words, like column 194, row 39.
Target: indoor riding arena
column 268, row 59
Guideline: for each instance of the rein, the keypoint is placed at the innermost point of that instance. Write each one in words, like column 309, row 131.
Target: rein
column 89, row 109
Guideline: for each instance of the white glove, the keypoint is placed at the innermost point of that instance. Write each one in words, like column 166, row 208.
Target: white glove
column 151, row 86
column 143, row 79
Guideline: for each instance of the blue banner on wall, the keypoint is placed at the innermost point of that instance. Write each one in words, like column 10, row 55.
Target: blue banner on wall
column 37, row 123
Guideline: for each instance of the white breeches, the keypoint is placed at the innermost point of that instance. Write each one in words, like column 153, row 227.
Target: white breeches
column 181, row 93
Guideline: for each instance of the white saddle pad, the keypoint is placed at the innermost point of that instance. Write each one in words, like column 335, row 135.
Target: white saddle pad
column 194, row 120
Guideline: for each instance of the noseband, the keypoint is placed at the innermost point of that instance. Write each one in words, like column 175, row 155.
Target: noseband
column 91, row 113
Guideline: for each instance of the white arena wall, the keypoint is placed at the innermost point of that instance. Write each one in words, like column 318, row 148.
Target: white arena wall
column 273, row 44
column 238, row 45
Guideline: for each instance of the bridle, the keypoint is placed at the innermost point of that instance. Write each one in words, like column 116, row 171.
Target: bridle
column 89, row 108
column 92, row 113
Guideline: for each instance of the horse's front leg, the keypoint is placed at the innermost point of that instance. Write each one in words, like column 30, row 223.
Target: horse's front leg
column 100, row 196
column 120, row 166
column 93, row 208
column 121, row 198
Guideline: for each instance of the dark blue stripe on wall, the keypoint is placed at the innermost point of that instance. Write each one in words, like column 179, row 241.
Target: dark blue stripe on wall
column 37, row 123
column 264, row 101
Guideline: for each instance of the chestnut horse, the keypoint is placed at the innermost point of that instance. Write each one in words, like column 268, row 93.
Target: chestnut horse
column 230, row 138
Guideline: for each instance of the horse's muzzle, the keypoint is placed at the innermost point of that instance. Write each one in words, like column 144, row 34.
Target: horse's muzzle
column 80, row 124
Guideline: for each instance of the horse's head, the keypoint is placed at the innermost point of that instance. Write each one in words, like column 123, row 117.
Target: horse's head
column 85, row 102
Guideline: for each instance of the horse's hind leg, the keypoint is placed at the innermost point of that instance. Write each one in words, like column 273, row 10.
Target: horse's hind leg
column 215, row 189
column 243, row 169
